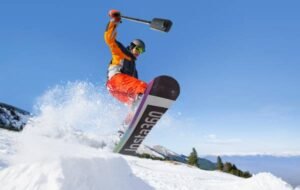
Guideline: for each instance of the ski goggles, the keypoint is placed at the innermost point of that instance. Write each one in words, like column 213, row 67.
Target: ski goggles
column 140, row 50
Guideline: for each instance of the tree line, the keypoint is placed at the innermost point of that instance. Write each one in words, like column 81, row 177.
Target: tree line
column 193, row 160
column 226, row 167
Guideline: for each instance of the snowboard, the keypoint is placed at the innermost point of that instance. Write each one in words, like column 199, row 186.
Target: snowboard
column 160, row 94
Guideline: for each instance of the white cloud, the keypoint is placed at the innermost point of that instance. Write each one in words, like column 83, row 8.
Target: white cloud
column 275, row 154
column 213, row 139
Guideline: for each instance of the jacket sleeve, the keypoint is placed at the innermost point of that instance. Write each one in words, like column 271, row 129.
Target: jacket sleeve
column 110, row 39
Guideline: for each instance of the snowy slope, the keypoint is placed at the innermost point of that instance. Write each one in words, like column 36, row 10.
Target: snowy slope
column 159, row 151
column 72, row 166
column 67, row 146
column 71, row 173
column 164, row 176
column 285, row 166
column 58, row 165
column 144, row 149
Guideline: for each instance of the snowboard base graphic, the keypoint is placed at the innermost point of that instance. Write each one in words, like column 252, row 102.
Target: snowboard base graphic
column 159, row 96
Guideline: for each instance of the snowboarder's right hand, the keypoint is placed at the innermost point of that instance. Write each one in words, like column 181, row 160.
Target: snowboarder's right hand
column 115, row 16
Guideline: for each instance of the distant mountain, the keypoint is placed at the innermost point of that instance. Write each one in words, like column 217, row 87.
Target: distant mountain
column 286, row 167
column 144, row 149
column 12, row 118
column 169, row 154
column 206, row 164
column 162, row 152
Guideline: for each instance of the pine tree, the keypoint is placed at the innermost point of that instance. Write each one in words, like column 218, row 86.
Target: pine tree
column 234, row 167
column 193, row 158
column 247, row 174
column 240, row 173
column 220, row 164
column 227, row 167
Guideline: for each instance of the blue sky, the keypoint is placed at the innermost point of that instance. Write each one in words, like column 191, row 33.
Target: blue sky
column 237, row 62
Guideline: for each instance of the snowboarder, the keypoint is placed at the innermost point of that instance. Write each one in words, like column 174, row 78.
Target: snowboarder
column 123, row 82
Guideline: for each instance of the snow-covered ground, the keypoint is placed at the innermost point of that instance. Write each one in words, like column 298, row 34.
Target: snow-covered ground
column 67, row 146
column 58, row 165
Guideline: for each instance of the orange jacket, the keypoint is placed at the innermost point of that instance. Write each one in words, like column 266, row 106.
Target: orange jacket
column 123, row 61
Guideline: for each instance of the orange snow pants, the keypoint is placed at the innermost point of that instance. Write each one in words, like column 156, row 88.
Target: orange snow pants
column 125, row 88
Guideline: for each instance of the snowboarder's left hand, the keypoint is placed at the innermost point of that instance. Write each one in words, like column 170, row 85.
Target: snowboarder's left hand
column 115, row 15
